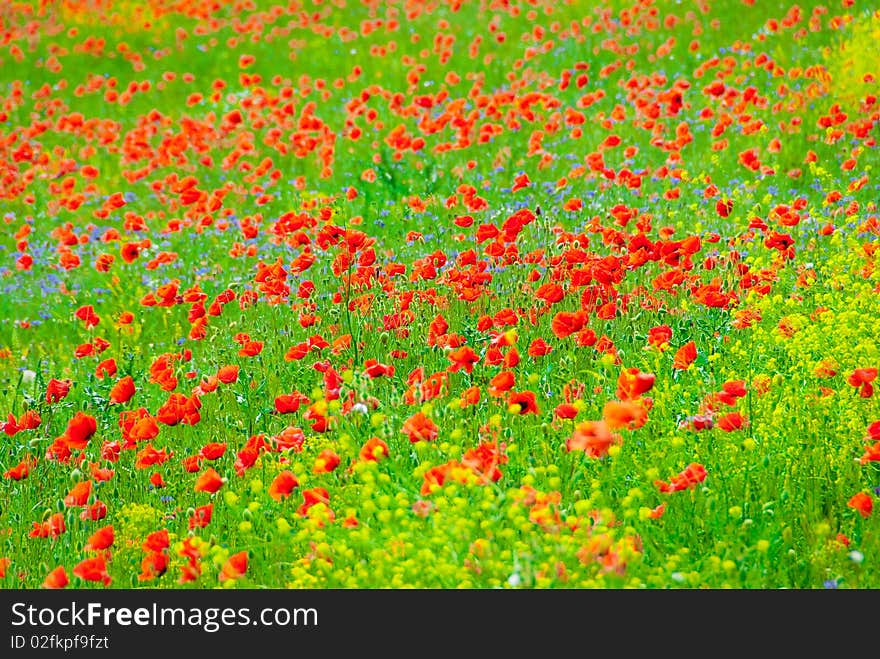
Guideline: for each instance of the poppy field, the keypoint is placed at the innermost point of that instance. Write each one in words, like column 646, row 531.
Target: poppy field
column 439, row 294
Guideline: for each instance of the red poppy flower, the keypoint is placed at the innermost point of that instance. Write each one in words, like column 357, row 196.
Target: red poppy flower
column 502, row 382
column 694, row 474
column 736, row 388
column 373, row 450
column 538, row 348
column 57, row 390
column 105, row 368
column 56, row 579
column 235, row 566
column 94, row 512
column 153, row 565
column 862, row 378
column 79, row 430
column 179, row 409
column 484, row 460
column 550, row 293
column 289, row 403
column 863, row 503
column 731, row 421
column 593, row 438
column 88, row 316
column 326, row 461
column 100, row 539
column 520, row 182
column 313, row 497
column 565, row 323
column 201, row 516
column 470, row 396
column 685, row 356
column 632, row 383
column 84, row 350
column 93, row 569
column 213, row 450
column 282, row 485
column 630, row 414
column 22, row 469
column 435, row 477
column 149, row 456
column 144, row 429
column 208, row 481
column 376, row 370
column 462, row 359
column 192, row 463
column 659, row 336
column 524, row 401
column 78, row 494
column 157, row 541
column 51, row 528
column 123, row 390
column 418, row 428
column 228, row 374
column 565, row 411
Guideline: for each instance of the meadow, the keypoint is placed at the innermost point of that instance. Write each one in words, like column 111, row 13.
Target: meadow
column 439, row 294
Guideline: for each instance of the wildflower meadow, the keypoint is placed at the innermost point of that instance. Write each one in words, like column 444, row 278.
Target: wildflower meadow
column 479, row 294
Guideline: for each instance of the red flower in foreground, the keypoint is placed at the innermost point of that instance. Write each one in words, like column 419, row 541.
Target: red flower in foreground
column 731, row 421
column 153, row 565
column 520, row 182
column 288, row 403
column 631, row 414
column 201, row 516
column 373, row 450
column 96, row 511
column 313, row 497
column 208, row 481
column 228, row 374
column 463, row 359
column 235, row 566
column 213, row 450
column 685, row 356
column 100, row 539
column 862, row 378
column 56, row 579
column 420, row 428
column 566, row 323
column 192, row 463
column 282, row 485
column 156, row 541
column 326, row 461
column 632, row 383
column 22, row 469
column 539, row 347
column 525, row 402
column 123, row 390
column 88, row 316
column 93, row 569
column 80, row 430
column 863, row 503
column 78, row 494
column 659, row 336
column 51, row 528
